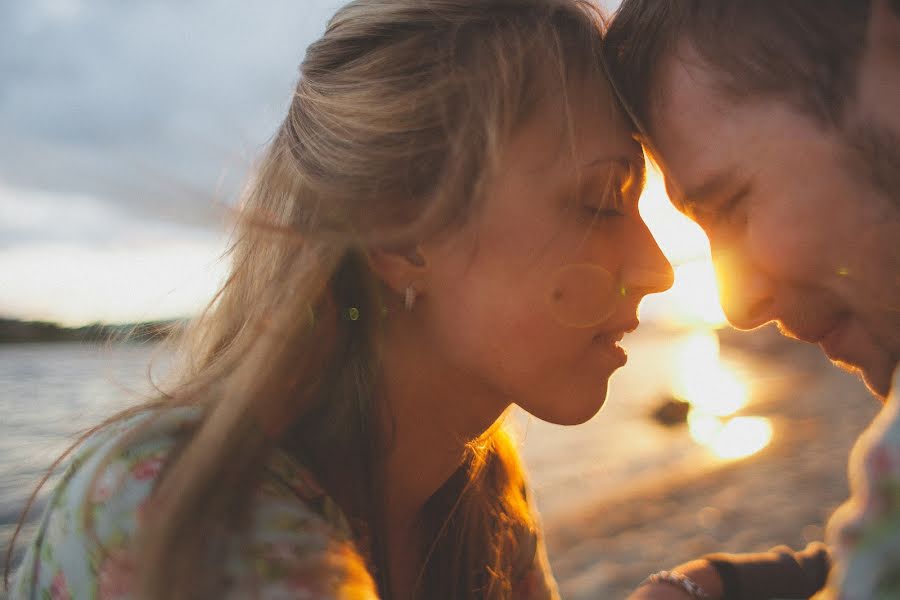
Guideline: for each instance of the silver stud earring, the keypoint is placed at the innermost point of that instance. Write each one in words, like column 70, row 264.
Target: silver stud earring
column 409, row 297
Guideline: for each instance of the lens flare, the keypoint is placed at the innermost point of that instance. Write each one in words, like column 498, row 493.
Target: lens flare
column 582, row 295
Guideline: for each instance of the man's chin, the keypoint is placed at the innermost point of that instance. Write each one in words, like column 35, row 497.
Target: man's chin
column 877, row 378
column 855, row 349
column 880, row 387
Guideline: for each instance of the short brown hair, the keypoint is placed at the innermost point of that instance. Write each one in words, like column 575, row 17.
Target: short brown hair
column 805, row 52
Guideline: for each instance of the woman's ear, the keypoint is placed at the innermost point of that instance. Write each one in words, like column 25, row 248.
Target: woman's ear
column 398, row 268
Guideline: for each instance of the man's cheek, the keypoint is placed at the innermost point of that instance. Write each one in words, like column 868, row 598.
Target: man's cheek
column 786, row 249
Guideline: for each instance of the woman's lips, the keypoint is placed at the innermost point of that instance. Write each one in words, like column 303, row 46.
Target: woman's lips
column 608, row 342
column 611, row 350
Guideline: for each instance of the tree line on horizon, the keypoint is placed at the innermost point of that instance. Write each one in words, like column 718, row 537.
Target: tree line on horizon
column 18, row 331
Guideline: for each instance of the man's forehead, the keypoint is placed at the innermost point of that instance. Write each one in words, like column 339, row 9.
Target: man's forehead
column 678, row 132
column 686, row 84
column 691, row 130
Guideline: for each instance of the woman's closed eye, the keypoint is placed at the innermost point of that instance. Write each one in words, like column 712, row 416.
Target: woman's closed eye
column 608, row 194
column 608, row 190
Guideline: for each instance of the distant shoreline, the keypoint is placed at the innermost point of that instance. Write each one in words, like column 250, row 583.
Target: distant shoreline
column 14, row 331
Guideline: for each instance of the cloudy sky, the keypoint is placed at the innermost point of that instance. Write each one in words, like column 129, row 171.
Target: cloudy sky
column 125, row 130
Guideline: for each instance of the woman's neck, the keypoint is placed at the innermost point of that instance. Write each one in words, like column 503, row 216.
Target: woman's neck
column 430, row 416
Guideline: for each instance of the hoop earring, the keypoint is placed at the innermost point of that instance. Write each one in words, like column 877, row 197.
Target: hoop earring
column 409, row 297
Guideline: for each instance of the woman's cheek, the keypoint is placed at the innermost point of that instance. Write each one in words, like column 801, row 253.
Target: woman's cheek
column 581, row 295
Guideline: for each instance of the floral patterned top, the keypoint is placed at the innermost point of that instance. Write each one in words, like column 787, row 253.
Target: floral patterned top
column 865, row 532
column 299, row 544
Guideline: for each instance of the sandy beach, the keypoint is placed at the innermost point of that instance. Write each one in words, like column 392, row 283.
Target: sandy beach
column 781, row 495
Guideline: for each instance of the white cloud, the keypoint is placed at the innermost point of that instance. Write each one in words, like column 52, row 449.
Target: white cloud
column 107, row 95
column 28, row 215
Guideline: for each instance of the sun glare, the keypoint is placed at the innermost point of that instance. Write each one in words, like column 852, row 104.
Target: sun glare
column 681, row 240
column 693, row 300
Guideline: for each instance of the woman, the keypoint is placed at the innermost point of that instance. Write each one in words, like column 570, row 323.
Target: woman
column 444, row 225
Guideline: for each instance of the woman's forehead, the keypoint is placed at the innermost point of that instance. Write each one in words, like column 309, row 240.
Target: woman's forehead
column 565, row 133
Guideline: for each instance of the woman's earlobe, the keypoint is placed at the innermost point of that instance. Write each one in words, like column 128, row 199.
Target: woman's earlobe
column 396, row 267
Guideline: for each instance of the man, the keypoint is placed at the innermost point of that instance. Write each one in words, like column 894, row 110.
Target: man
column 777, row 127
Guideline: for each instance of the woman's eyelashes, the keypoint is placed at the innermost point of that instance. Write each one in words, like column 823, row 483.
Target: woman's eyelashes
column 608, row 192
column 607, row 201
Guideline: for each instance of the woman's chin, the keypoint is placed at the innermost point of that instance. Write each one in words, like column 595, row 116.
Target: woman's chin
column 574, row 410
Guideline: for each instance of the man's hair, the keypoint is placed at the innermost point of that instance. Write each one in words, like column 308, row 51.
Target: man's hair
column 805, row 52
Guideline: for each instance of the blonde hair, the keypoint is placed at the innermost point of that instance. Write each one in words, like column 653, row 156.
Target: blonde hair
column 399, row 115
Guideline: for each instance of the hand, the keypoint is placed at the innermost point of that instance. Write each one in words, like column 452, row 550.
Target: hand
column 778, row 573
column 701, row 572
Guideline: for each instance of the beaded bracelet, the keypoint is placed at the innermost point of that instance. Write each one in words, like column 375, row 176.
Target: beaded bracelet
column 678, row 580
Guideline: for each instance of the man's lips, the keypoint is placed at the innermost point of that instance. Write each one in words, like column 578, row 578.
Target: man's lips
column 813, row 333
column 829, row 335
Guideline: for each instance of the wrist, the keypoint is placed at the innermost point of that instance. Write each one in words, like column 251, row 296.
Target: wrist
column 704, row 574
column 696, row 580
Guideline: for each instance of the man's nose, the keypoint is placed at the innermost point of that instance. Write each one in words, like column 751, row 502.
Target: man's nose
column 746, row 292
column 649, row 271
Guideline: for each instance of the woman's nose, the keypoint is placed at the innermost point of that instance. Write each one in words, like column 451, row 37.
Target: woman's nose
column 648, row 271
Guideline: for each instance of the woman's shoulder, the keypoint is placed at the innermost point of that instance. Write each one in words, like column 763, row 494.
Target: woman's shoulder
column 98, row 503
column 299, row 543
column 106, row 494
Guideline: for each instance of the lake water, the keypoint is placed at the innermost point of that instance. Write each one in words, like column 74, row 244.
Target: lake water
column 48, row 393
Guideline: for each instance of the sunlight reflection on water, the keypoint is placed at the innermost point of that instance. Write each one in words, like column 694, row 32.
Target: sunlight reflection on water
column 715, row 392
